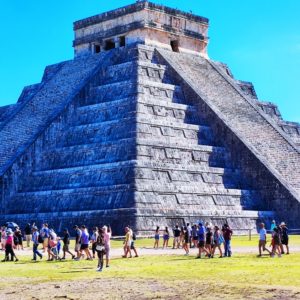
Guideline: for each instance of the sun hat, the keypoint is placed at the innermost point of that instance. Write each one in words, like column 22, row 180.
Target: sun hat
column 282, row 224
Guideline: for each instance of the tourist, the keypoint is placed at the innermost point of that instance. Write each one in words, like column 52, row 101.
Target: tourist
column 189, row 229
column 94, row 240
column 285, row 237
column 156, row 238
column 209, row 240
column 100, row 248
column 127, row 243
column 195, row 236
column 52, row 246
column 18, row 239
column 107, row 236
column 84, row 244
column 9, row 247
column 35, row 241
column 201, row 241
column 218, row 241
column 227, row 234
column 262, row 240
column 77, row 240
column 45, row 234
column 166, row 237
column 28, row 235
column 132, row 246
column 273, row 225
column 276, row 242
column 3, row 237
column 186, row 241
column 66, row 244
column 176, row 233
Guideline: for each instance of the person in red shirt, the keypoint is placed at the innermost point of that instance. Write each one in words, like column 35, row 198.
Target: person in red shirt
column 227, row 233
column 9, row 247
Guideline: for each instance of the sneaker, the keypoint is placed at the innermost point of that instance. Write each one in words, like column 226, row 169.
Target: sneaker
column 99, row 270
column 107, row 266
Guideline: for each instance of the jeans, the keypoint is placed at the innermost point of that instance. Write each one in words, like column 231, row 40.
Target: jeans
column 227, row 245
column 36, row 251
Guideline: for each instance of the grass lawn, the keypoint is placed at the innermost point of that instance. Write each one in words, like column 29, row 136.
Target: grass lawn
column 157, row 277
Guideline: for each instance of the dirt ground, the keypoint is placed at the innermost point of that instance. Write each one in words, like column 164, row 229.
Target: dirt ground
column 120, row 288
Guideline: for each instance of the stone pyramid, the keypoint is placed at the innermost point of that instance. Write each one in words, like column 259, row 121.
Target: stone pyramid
column 142, row 128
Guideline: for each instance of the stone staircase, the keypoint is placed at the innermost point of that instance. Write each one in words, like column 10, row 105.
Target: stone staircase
column 220, row 95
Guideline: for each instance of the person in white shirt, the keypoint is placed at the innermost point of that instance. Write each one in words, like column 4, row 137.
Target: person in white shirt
column 262, row 240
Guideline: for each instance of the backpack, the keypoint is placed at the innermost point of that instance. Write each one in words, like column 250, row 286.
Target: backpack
column 221, row 239
column 134, row 236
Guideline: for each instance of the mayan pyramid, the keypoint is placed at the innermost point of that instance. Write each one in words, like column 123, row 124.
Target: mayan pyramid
column 142, row 128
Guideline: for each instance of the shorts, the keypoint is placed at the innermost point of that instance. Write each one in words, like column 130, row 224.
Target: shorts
column 177, row 239
column 65, row 247
column 77, row 247
column 201, row 244
column 156, row 237
column 166, row 237
column 186, row 241
column 285, row 242
column 84, row 246
column 128, row 244
column 132, row 245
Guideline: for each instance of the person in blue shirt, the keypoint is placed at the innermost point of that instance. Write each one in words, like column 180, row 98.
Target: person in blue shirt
column 35, row 240
column 201, row 240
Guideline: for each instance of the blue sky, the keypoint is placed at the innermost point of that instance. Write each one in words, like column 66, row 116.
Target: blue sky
column 258, row 39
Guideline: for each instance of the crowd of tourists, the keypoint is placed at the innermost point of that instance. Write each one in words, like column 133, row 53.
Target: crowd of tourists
column 86, row 245
column 208, row 238
column 205, row 237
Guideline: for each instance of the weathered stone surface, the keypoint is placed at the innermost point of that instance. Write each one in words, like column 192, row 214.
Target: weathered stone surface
column 143, row 136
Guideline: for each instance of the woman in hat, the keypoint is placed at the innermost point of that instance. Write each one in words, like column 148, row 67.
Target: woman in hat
column 9, row 246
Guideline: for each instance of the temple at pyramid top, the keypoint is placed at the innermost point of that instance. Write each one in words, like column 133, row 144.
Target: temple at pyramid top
column 145, row 23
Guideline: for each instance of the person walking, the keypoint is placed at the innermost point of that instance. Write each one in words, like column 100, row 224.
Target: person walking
column 201, row 241
column 66, row 244
column 9, row 247
column 209, row 240
column 107, row 236
column 94, row 240
column 176, row 233
column 45, row 234
column 28, row 234
column 227, row 234
column 35, row 241
column 186, row 240
column 276, row 242
column 127, row 243
column 100, row 248
column 84, row 244
column 218, row 241
column 166, row 237
column 195, row 236
column 156, row 238
column 78, row 234
column 262, row 240
column 285, row 237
